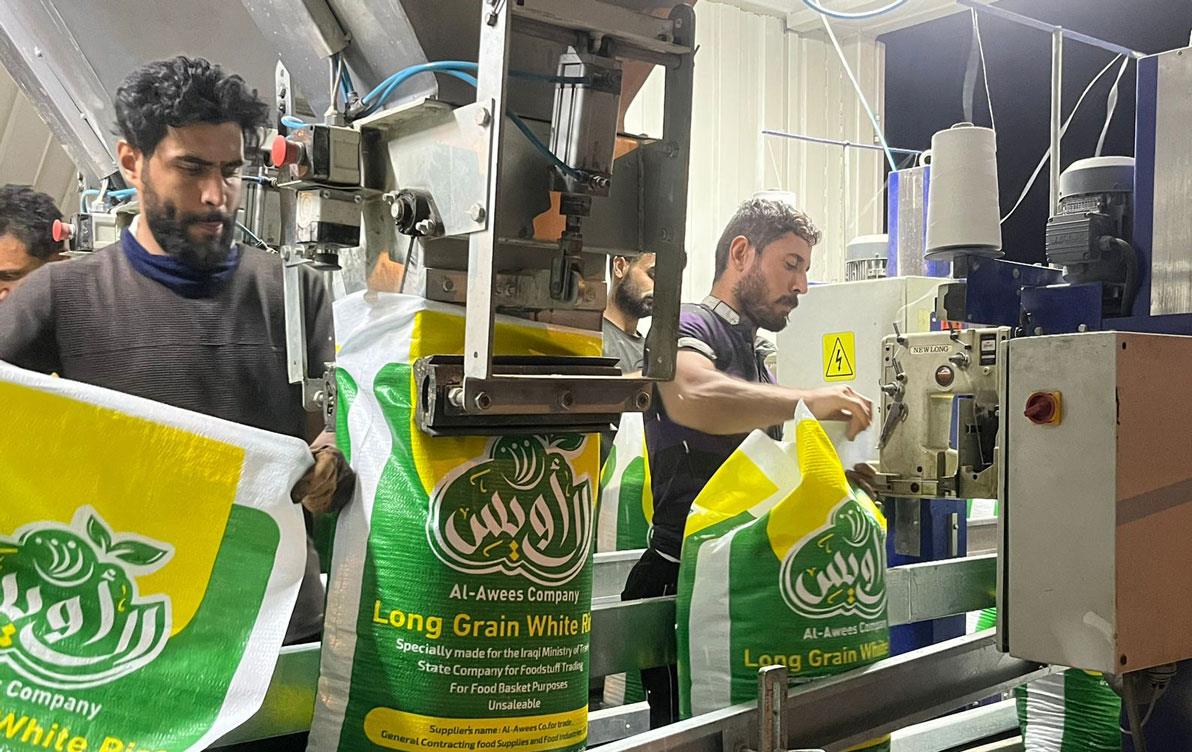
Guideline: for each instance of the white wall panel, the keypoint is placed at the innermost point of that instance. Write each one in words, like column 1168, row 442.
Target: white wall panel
column 751, row 73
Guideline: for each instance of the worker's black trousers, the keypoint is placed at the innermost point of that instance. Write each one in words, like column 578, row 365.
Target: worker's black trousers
column 651, row 577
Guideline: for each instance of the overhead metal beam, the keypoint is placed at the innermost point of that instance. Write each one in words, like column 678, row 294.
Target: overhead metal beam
column 43, row 57
column 1033, row 23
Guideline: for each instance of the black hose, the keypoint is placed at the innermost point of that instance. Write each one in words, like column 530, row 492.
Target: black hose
column 1130, row 258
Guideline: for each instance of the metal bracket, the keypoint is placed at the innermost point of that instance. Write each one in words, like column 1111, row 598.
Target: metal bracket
column 318, row 395
column 528, row 290
column 907, row 527
column 771, row 692
column 524, row 394
column 329, row 399
column 284, row 101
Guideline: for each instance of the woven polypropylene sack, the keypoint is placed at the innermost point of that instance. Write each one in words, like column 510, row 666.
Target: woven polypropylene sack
column 150, row 560
column 459, row 601
column 623, row 523
column 783, row 562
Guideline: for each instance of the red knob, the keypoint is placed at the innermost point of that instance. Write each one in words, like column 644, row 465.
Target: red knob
column 284, row 152
column 61, row 231
column 1043, row 408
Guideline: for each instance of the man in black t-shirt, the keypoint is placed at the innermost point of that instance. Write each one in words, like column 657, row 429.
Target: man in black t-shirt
column 723, row 390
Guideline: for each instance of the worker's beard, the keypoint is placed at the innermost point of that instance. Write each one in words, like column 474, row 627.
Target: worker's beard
column 633, row 300
column 752, row 297
column 171, row 231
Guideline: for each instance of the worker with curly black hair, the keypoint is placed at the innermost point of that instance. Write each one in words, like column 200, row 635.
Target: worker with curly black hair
column 177, row 311
column 26, row 234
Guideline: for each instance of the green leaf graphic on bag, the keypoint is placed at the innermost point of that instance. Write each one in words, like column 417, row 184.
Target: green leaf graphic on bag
column 69, row 619
column 145, row 589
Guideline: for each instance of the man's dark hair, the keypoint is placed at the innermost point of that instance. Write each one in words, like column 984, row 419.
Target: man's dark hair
column 762, row 221
column 29, row 216
column 184, row 91
column 612, row 260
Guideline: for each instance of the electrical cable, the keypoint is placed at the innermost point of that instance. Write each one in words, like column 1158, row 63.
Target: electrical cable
column 397, row 79
column 252, row 236
column 376, row 98
column 336, row 72
column 567, row 169
column 860, row 94
column 383, row 89
column 1110, row 106
column 117, row 195
column 470, row 80
column 1030, row 183
column 854, row 15
column 290, row 121
column 984, row 70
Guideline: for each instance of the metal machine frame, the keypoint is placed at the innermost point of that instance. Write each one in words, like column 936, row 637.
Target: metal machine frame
column 489, row 389
column 479, row 198
column 836, row 712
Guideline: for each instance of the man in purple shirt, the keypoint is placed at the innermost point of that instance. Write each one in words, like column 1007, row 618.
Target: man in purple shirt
column 723, row 390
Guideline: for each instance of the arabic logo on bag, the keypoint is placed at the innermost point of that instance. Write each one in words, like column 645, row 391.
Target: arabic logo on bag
column 838, row 570
column 518, row 510
column 70, row 613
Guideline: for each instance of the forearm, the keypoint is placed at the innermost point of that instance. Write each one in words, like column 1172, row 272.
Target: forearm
column 716, row 403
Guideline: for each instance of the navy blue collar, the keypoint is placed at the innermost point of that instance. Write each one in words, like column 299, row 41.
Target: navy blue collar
column 175, row 275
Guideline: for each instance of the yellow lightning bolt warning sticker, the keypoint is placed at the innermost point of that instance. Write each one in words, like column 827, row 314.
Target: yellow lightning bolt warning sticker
column 840, row 357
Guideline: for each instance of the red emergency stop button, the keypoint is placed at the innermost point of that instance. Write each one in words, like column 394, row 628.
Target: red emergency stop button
column 1044, row 408
column 61, row 231
column 284, row 152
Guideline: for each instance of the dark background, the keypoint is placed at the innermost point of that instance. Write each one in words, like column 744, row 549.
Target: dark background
column 925, row 68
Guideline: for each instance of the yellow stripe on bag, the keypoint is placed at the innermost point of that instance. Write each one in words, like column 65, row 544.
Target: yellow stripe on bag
column 410, row 732
column 442, row 333
column 647, row 487
column 806, row 509
column 140, row 476
column 734, row 489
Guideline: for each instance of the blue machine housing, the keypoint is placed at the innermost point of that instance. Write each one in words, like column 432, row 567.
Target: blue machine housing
column 1034, row 299
column 993, row 296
